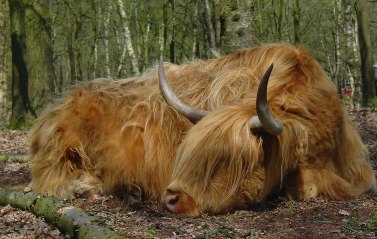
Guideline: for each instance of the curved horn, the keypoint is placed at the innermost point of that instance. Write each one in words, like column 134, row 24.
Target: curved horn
column 265, row 121
column 194, row 115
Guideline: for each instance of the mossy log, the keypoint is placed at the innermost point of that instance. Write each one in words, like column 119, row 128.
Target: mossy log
column 71, row 220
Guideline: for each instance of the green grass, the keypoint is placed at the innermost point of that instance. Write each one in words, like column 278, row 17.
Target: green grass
column 290, row 205
column 364, row 229
column 373, row 222
column 14, row 158
column 151, row 233
column 353, row 223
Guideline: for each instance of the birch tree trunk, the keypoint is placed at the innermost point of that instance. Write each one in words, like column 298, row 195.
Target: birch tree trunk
column 162, row 28
column 137, row 30
column 127, row 38
column 106, row 40
column 146, row 38
column 122, row 57
column 211, row 31
column 352, row 61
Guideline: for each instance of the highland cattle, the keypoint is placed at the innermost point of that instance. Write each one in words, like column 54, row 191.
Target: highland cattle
column 207, row 136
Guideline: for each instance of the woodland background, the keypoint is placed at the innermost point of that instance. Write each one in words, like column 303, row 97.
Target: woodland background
column 46, row 46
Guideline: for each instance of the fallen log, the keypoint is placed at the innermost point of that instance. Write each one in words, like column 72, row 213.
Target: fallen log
column 69, row 219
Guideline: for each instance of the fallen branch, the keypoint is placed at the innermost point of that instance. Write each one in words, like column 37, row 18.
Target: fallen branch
column 71, row 220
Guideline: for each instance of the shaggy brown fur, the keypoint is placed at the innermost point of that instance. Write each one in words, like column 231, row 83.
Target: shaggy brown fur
column 110, row 136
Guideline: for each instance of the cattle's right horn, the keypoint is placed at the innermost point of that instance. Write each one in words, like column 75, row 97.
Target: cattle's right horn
column 265, row 121
column 194, row 115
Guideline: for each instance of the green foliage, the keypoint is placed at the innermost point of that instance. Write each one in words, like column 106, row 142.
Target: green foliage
column 365, row 228
column 373, row 222
column 151, row 233
column 14, row 158
column 347, row 101
column 229, row 218
column 236, row 17
column 23, row 123
column 372, row 103
column 4, row 158
column 290, row 205
column 353, row 223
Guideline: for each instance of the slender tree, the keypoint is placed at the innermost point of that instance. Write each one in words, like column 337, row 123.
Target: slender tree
column 278, row 7
column 367, row 72
column 337, row 23
column 211, row 30
column 296, row 21
column 106, row 26
column 352, row 55
column 4, row 92
column 128, row 38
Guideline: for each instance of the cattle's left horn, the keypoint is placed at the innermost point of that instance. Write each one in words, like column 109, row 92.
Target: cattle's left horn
column 265, row 121
column 194, row 115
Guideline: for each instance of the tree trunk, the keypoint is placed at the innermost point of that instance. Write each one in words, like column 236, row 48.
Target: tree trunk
column 137, row 29
column 296, row 21
column 236, row 18
column 20, row 76
column 172, row 33
column 70, row 51
column 211, row 31
column 352, row 60
column 366, row 56
column 162, row 28
column 4, row 92
column 278, row 19
column 336, row 35
column 78, row 23
column 40, row 54
column 96, row 27
column 128, row 39
column 146, row 36
column 106, row 23
column 32, row 58
column 71, row 220
column 194, row 49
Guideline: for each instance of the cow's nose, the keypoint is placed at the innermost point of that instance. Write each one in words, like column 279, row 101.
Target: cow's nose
column 169, row 201
column 179, row 202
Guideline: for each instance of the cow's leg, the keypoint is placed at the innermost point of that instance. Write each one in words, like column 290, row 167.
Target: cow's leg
column 301, row 184
column 64, row 174
column 308, row 182
column 66, row 184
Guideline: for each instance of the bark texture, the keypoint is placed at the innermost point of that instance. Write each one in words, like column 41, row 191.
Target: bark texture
column 71, row 220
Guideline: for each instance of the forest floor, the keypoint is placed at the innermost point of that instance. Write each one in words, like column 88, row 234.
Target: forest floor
column 317, row 218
